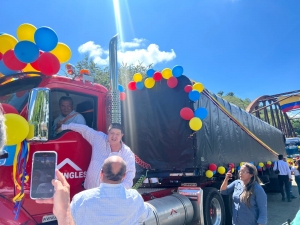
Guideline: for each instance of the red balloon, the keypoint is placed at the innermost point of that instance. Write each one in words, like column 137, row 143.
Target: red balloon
column 212, row 167
column 157, row 76
column 122, row 96
column 231, row 165
column 172, row 82
column 7, row 108
column 186, row 113
column 35, row 64
column 1, row 55
column 188, row 88
column 132, row 86
column 11, row 61
column 48, row 64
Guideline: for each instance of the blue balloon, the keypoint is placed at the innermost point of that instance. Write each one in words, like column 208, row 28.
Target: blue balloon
column 26, row 51
column 121, row 88
column 45, row 38
column 194, row 95
column 139, row 85
column 5, row 71
column 150, row 72
column 177, row 71
column 214, row 172
column 11, row 150
column 258, row 167
column 252, row 163
column 238, row 168
column 201, row 113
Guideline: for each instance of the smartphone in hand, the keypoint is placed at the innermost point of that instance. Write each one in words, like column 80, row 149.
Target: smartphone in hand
column 43, row 172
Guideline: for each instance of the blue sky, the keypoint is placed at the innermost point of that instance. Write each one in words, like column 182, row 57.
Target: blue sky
column 249, row 47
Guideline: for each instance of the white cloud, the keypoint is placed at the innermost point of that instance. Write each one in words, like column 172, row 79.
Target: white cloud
column 150, row 55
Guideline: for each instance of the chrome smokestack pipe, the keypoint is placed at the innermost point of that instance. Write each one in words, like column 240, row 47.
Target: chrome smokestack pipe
column 113, row 103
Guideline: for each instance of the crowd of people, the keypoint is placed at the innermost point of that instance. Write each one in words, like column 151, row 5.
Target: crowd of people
column 109, row 198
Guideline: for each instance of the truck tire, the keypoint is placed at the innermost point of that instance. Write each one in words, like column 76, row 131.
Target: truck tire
column 213, row 207
column 227, row 199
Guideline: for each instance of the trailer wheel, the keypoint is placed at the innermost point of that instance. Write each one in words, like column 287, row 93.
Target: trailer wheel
column 213, row 207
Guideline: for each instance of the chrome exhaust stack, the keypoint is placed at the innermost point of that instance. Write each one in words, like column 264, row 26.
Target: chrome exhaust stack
column 113, row 97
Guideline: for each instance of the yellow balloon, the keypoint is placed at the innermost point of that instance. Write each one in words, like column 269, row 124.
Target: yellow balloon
column 166, row 73
column 241, row 164
column 30, row 132
column 261, row 164
column 16, row 128
column 269, row 163
column 62, row 52
column 137, row 77
column 7, row 42
column 209, row 174
column 198, row 86
column 25, row 32
column 149, row 82
column 232, row 170
column 29, row 68
column 195, row 124
column 221, row 170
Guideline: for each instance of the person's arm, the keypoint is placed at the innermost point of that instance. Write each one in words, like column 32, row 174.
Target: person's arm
column 275, row 166
column 226, row 189
column 60, row 200
column 130, row 171
column 287, row 168
column 261, row 201
column 87, row 133
column 146, row 212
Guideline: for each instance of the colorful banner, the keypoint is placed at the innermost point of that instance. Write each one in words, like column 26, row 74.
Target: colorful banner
column 290, row 103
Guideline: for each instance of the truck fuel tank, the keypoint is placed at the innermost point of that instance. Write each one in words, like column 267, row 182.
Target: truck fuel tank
column 170, row 210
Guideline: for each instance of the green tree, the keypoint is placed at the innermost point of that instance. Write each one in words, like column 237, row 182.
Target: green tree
column 296, row 126
column 237, row 101
column 230, row 94
column 220, row 93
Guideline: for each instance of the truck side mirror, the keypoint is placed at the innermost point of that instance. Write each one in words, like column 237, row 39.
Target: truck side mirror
column 38, row 114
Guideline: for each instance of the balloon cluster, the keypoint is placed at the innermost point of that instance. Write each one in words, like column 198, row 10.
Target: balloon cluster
column 122, row 92
column 155, row 76
column 260, row 166
column 36, row 50
column 213, row 168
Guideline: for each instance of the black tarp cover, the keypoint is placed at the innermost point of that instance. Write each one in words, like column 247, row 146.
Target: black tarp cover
column 158, row 135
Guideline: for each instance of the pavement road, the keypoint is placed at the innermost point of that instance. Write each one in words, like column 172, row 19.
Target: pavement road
column 278, row 211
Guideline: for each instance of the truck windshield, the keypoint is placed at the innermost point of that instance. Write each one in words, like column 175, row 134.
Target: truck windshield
column 16, row 92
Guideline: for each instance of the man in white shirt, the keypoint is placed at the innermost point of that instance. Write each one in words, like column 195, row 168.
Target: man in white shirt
column 67, row 114
column 284, row 177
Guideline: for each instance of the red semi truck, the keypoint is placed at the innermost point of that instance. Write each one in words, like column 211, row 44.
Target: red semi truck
column 172, row 157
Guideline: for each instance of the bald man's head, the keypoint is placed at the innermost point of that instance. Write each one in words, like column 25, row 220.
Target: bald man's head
column 113, row 170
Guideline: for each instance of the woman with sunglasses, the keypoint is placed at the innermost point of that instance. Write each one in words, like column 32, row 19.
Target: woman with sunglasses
column 249, row 198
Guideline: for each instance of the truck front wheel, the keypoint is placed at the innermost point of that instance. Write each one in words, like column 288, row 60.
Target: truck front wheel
column 213, row 207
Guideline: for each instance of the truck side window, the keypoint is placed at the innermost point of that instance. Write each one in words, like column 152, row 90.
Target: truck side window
column 70, row 107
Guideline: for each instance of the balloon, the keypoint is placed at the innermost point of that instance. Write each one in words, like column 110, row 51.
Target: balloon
column 139, row 85
column 166, row 73
column 232, row 170
column 150, row 72
column 16, row 128
column 25, row 32
column 62, row 52
column 29, row 68
column 149, row 82
column 1, row 56
column 137, row 77
column 132, row 86
column 172, row 82
column 45, row 38
column 7, row 42
column 188, row 88
column 221, row 170
column 7, row 108
column 122, row 96
column 120, row 88
column 157, row 76
column 261, row 164
column 6, row 71
column 269, row 163
column 231, row 165
column 212, row 167
column 241, row 164
column 48, row 64
column 11, row 61
column 30, row 132
column 258, row 167
column 201, row 113
column 268, row 166
column 238, row 168
column 198, row 86
column 177, row 71
column 35, row 64
column 26, row 51
column 209, row 174
column 195, row 124
column 186, row 113
column 194, row 95
column 252, row 163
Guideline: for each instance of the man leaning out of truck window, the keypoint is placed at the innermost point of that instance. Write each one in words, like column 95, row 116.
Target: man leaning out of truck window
column 104, row 146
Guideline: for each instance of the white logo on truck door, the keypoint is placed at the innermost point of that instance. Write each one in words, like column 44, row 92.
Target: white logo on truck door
column 48, row 218
column 78, row 173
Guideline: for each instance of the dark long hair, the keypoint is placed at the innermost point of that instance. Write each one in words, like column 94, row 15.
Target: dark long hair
column 298, row 166
column 249, row 188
